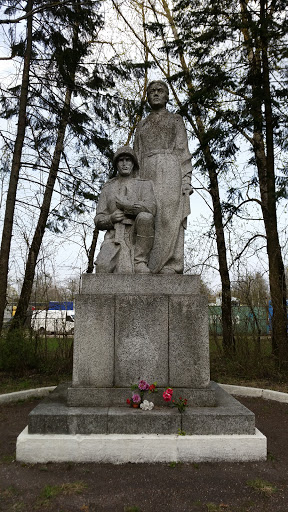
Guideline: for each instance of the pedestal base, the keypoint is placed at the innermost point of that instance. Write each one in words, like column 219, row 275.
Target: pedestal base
column 121, row 448
column 53, row 416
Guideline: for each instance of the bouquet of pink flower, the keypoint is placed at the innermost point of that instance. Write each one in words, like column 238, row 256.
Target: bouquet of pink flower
column 180, row 403
column 167, row 395
column 141, row 388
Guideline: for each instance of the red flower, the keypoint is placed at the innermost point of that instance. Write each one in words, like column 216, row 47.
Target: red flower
column 180, row 397
column 152, row 388
column 128, row 402
column 170, row 391
column 167, row 397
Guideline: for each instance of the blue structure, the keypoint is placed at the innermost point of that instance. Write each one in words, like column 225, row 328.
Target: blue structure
column 61, row 306
column 270, row 314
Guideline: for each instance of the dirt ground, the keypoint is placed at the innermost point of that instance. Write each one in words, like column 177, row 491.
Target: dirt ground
column 210, row 487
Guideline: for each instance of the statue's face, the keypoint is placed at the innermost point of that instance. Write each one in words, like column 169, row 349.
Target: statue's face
column 157, row 96
column 125, row 165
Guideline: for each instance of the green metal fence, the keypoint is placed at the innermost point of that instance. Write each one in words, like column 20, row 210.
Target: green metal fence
column 245, row 319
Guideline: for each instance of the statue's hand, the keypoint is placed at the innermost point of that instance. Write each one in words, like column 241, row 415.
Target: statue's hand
column 117, row 216
column 187, row 189
column 134, row 209
column 122, row 205
column 130, row 209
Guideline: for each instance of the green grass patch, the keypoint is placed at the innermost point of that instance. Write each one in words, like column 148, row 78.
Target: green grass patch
column 68, row 489
column 24, row 353
column 262, row 486
column 7, row 459
column 9, row 492
column 212, row 507
column 10, row 381
column 251, row 363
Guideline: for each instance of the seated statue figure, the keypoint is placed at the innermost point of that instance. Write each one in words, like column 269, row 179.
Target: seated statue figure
column 126, row 209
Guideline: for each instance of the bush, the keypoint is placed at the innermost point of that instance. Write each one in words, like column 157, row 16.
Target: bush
column 18, row 351
column 22, row 350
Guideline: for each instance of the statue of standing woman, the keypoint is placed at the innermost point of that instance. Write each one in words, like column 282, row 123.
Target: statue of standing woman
column 162, row 150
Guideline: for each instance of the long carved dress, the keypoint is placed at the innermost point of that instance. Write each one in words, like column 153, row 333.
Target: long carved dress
column 162, row 149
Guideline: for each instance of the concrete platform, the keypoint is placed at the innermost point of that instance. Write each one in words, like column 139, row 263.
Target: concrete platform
column 228, row 416
column 123, row 448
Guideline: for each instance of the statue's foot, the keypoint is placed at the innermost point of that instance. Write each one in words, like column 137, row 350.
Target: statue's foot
column 167, row 270
column 141, row 268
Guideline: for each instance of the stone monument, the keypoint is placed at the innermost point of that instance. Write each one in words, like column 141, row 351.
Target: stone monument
column 138, row 318
column 126, row 211
column 162, row 149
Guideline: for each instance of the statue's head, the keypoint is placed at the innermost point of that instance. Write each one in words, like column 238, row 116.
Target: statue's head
column 125, row 161
column 158, row 94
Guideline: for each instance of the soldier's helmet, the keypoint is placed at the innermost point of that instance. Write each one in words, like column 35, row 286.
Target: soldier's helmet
column 125, row 150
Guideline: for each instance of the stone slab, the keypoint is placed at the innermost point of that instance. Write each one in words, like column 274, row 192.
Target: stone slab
column 122, row 338
column 142, row 284
column 189, row 364
column 242, row 390
column 270, row 394
column 101, row 397
column 121, row 448
column 27, row 393
column 53, row 416
column 93, row 357
column 141, row 339
column 229, row 417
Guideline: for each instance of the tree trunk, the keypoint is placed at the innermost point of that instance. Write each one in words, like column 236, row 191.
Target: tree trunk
column 211, row 167
column 15, row 169
column 91, row 252
column 263, row 127
column 227, row 323
column 21, row 312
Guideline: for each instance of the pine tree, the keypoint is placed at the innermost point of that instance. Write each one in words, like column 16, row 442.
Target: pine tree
column 16, row 163
column 67, row 61
column 238, row 49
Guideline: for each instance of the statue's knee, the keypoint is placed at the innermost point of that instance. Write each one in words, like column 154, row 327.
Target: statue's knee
column 145, row 224
column 145, row 218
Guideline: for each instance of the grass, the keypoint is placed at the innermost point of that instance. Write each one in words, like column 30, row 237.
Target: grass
column 10, row 381
column 28, row 361
column 250, row 365
column 262, row 486
column 52, row 491
column 212, row 507
column 23, row 352
column 7, row 459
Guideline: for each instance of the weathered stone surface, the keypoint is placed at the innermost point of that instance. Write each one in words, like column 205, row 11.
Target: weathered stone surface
column 162, row 149
column 93, row 362
column 130, row 284
column 188, row 342
column 227, row 417
column 141, row 339
column 126, row 211
column 139, row 448
column 135, row 421
column 101, row 397
column 151, row 327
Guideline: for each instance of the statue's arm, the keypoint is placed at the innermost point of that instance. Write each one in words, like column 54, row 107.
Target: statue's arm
column 184, row 155
column 137, row 143
column 103, row 217
column 145, row 202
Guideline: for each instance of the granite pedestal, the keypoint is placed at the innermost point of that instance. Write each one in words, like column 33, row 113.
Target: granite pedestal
column 131, row 327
